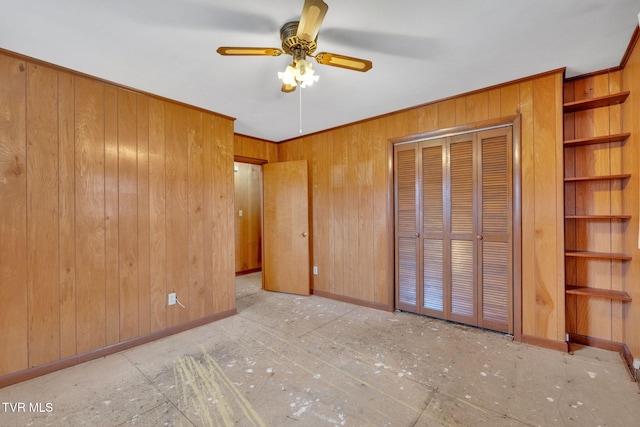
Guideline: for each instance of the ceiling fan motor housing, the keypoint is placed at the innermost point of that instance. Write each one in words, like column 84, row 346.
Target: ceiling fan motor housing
column 292, row 43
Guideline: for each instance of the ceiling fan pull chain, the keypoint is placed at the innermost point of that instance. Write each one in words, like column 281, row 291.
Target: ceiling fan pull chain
column 300, row 98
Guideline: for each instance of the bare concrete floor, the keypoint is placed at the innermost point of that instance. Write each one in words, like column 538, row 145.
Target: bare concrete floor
column 286, row 360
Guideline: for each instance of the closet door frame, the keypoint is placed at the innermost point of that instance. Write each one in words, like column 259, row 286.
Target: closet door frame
column 515, row 123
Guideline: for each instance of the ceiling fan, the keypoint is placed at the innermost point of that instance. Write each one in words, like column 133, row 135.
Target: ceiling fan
column 299, row 40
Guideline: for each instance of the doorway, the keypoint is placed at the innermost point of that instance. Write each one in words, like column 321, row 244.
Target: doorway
column 248, row 217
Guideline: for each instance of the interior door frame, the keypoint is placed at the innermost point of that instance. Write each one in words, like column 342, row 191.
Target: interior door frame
column 514, row 122
column 260, row 162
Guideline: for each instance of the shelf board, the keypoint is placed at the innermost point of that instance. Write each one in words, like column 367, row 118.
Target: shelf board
column 598, row 293
column 622, row 217
column 601, row 101
column 598, row 178
column 599, row 255
column 618, row 137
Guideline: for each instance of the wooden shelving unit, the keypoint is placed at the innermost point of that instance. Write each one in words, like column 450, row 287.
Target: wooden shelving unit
column 583, row 105
column 601, row 101
column 599, row 255
column 598, row 293
column 595, row 217
column 598, row 177
column 619, row 137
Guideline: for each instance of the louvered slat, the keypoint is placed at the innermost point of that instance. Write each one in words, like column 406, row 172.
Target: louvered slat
column 432, row 189
column 407, row 271
column 461, row 155
column 495, row 194
column 406, row 190
column 495, row 282
column 462, row 286
column 433, row 275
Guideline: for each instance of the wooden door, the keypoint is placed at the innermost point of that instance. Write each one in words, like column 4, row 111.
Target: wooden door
column 286, row 227
column 454, row 251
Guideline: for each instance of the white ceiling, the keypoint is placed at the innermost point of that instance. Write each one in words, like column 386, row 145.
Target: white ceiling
column 422, row 50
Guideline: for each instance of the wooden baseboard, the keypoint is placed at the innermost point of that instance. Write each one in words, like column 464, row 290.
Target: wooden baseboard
column 253, row 270
column 545, row 342
column 355, row 301
column 48, row 368
column 618, row 347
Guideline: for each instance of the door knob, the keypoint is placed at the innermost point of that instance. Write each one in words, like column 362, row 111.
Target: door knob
column 479, row 237
column 304, row 234
column 417, row 234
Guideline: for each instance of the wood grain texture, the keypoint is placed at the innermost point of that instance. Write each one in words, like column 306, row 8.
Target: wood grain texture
column 630, row 115
column 144, row 294
column 128, row 214
column 83, row 203
column 196, row 233
column 90, row 214
column 13, row 217
column 42, row 216
column 157, row 216
column 111, row 216
column 177, row 225
column 66, row 218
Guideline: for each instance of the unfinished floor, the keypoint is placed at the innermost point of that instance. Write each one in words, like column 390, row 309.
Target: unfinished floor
column 286, row 360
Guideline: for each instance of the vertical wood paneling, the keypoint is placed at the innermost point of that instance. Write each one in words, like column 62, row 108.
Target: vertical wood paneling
column 177, row 213
column 207, row 143
column 128, row 214
column 13, row 217
column 196, row 214
column 630, row 204
column 111, row 217
column 66, row 217
column 529, row 272
column 144, row 306
column 42, row 215
column 91, row 202
column 365, row 265
column 224, row 259
column 90, row 210
column 157, row 215
column 382, row 205
column 546, row 209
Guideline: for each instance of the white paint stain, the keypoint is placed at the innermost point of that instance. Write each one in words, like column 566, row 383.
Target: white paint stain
column 591, row 374
column 549, row 399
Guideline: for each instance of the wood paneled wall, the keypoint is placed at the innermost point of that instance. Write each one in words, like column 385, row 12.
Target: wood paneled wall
column 631, row 200
column 248, row 200
column 254, row 148
column 109, row 200
column 351, row 196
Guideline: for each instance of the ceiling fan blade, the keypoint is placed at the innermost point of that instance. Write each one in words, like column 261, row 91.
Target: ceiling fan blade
column 348, row 62
column 286, row 88
column 313, row 13
column 249, row 51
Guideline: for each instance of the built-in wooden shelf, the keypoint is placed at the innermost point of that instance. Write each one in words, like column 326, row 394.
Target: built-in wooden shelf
column 618, row 137
column 598, row 177
column 600, row 255
column 601, row 101
column 598, row 293
column 621, row 217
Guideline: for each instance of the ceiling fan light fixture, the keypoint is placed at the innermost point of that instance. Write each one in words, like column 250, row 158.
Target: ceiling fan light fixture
column 301, row 72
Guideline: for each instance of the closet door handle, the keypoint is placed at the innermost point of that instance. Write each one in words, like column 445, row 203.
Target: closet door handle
column 479, row 237
column 417, row 234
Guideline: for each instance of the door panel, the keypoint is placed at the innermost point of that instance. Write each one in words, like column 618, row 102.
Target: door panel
column 286, row 227
column 406, row 220
column 460, row 189
column 495, row 231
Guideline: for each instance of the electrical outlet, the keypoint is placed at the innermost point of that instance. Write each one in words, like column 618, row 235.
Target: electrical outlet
column 172, row 298
column 315, row 270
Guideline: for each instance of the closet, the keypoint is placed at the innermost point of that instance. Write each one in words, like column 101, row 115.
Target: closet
column 454, row 228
